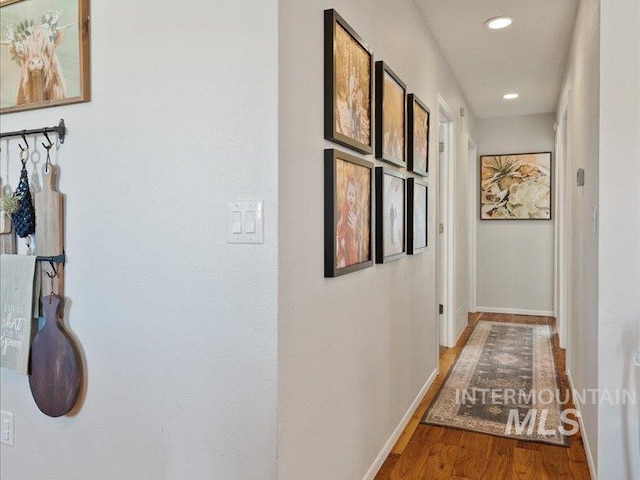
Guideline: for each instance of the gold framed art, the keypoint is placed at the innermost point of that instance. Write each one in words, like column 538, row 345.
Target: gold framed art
column 44, row 53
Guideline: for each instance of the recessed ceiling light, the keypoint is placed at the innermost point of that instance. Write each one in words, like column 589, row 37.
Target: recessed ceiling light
column 498, row 23
column 510, row 96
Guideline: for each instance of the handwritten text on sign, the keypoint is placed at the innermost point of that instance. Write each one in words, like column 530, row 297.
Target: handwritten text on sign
column 13, row 331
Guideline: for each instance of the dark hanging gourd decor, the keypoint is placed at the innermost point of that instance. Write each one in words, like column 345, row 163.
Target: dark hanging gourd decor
column 24, row 219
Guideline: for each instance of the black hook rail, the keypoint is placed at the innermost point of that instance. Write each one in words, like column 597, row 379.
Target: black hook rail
column 55, row 259
column 52, row 261
column 60, row 129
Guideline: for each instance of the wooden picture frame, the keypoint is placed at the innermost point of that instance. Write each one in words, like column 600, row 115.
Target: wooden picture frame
column 517, row 186
column 417, row 216
column 391, row 196
column 65, row 74
column 418, row 132
column 348, row 213
column 348, row 85
column 391, row 116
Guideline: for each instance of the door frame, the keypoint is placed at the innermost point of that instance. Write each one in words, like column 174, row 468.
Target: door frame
column 446, row 117
column 473, row 225
column 562, row 234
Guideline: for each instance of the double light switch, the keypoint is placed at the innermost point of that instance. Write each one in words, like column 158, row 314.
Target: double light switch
column 245, row 221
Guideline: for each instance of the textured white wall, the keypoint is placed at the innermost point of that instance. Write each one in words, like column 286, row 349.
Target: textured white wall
column 354, row 351
column 177, row 327
column 619, row 236
column 515, row 258
column 581, row 91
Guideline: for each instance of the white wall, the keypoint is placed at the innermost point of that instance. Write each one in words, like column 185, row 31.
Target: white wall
column 581, row 92
column 354, row 351
column 515, row 258
column 619, row 235
column 178, row 328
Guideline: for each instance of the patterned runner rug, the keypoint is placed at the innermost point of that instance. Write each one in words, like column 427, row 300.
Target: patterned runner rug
column 503, row 383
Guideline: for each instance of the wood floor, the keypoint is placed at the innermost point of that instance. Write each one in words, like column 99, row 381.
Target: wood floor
column 425, row 452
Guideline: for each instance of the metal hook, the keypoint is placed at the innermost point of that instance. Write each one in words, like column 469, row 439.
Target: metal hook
column 52, row 289
column 24, row 155
column 55, row 272
column 24, row 139
column 52, row 276
column 48, row 147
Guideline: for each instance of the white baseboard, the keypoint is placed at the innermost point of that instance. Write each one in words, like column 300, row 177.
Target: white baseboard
column 516, row 311
column 384, row 453
column 585, row 438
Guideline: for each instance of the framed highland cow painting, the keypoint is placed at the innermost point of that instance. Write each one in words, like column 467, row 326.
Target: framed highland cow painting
column 44, row 52
column 516, row 186
column 348, row 67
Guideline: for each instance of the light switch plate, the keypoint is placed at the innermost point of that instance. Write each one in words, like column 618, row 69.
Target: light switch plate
column 6, row 428
column 245, row 221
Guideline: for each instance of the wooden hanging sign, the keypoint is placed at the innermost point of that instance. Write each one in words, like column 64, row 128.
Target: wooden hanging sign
column 56, row 365
column 49, row 205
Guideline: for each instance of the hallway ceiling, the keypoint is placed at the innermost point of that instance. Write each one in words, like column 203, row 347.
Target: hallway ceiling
column 528, row 57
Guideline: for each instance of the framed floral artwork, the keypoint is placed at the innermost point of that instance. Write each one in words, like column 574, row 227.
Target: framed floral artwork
column 516, row 186
column 44, row 53
column 348, row 67
column 417, row 216
column 347, row 213
column 391, row 116
column 417, row 136
column 390, row 215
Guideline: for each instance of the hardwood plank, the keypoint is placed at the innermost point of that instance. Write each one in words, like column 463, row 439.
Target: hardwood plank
column 500, row 459
column 555, row 462
column 527, row 465
column 387, row 467
column 411, row 464
column 576, row 451
column 440, row 462
column 578, row 464
column 529, row 445
column 580, row 470
column 472, row 455
column 405, row 436
column 451, row 436
column 523, row 464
